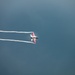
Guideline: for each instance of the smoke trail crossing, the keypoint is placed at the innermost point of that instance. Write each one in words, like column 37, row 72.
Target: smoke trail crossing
column 2, row 31
column 13, row 40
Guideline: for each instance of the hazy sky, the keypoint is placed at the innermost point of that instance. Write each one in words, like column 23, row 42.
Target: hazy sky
column 53, row 21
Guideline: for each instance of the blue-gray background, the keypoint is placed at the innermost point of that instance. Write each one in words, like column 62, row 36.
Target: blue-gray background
column 54, row 22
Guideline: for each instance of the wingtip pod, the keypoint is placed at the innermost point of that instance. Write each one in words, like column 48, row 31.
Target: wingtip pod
column 34, row 43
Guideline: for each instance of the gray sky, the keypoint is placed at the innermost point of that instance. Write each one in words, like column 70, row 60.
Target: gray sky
column 54, row 23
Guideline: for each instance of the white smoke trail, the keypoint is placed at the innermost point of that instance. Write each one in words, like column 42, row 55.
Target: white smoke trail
column 2, row 31
column 13, row 40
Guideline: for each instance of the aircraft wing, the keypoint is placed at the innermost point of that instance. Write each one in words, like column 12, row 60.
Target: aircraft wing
column 34, row 40
column 33, row 34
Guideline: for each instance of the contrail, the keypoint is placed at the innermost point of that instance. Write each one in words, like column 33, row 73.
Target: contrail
column 13, row 40
column 3, row 31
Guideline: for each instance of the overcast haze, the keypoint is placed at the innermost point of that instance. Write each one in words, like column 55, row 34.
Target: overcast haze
column 53, row 21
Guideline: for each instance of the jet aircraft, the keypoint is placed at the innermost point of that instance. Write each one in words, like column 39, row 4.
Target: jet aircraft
column 33, row 37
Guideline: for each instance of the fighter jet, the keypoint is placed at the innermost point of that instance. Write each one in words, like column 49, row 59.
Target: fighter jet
column 33, row 37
